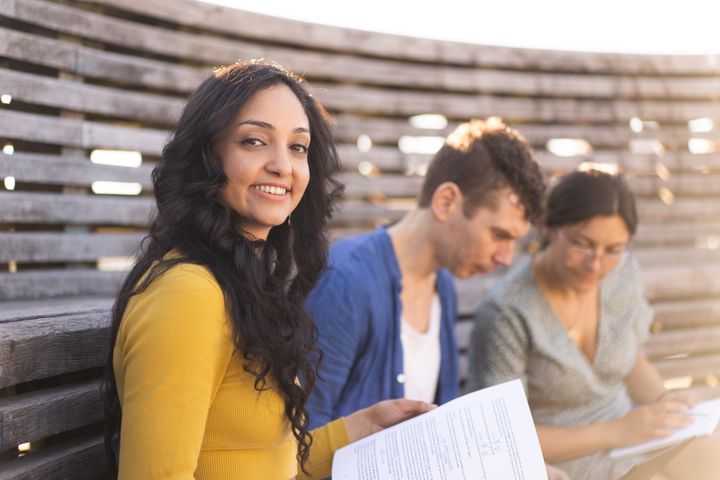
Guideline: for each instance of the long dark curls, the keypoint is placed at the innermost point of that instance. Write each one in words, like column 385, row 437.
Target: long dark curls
column 264, row 282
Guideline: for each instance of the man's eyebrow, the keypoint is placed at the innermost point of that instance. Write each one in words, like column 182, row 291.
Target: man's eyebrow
column 504, row 232
column 269, row 126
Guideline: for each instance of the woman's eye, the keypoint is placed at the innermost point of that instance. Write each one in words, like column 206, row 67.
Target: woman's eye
column 300, row 148
column 252, row 142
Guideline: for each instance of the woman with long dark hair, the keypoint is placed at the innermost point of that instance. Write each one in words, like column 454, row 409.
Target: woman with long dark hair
column 209, row 338
column 571, row 322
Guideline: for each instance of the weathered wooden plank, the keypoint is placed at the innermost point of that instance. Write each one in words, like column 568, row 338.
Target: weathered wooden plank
column 66, row 247
column 383, row 130
column 39, row 284
column 395, row 102
column 673, row 282
column 691, row 341
column 376, row 101
column 36, row 415
column 463, row 329
column 681, row 185
column 470, row 292
column 45, row 347
column 264, row 28
column 69, row 171
column 698, row 367
column 356, row 213
column 14, row 311
column 650, row 256
column 388, row 158
column 79, row 133
column 21, row 207
column 89, row 62
column 357, row 185
column 691, row 185
column 686, row 314
column 81, row 97
column 213, row 50
column 650, row 210
column 703, row 234
column 683, row 209
column 78, row 459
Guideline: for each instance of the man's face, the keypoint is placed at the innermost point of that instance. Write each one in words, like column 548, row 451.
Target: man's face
column 479, row 244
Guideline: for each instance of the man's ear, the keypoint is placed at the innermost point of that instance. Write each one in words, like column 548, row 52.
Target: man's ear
column 446, row 199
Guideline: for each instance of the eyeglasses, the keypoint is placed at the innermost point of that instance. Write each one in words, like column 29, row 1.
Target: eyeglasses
column 591, row 253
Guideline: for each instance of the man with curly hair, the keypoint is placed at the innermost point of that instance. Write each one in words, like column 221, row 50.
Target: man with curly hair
column 386, row 307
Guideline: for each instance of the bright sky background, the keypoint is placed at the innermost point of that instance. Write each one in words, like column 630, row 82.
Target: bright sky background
column 635, row 26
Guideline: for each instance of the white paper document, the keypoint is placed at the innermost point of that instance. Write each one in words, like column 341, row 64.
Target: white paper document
column 705, row 419
column 484, row 435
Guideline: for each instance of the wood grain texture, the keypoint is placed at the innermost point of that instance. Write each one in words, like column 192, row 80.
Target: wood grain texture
column 81, row 134
column 77, row 459
column 263, row 28
column 49, row 208
column 81, row 97
column 213, row 50
column 69, row 171
column 690, row 341
column 33, row 416
column 39, row 284
column 44, row 347
column 66, row 247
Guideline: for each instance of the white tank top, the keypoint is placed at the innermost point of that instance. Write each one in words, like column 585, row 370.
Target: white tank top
column 421, row 357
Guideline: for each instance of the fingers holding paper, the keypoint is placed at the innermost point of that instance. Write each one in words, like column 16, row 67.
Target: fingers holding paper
column 651, row 422
column 383, row 415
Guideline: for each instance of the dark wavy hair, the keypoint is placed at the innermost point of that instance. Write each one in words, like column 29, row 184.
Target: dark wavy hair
column 264, row 283
column 481, row 157
column 584, row 194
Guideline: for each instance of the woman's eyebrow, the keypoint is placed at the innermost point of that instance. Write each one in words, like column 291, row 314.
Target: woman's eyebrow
column 269, row 126
column 591, row 241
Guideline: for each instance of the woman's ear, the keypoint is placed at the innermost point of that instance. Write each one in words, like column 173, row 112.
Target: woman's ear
column 446, row 200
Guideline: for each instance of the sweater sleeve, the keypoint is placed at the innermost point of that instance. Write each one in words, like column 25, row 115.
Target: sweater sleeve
column 326, row 440
column 173, row 349
column 498, row 347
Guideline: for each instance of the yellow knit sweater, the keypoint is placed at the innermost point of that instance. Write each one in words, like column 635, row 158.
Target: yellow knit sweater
column 189, row 410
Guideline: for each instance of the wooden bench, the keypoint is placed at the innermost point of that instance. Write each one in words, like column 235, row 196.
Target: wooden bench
column 114, row 74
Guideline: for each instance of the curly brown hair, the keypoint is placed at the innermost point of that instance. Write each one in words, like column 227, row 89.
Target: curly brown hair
column 481, row 157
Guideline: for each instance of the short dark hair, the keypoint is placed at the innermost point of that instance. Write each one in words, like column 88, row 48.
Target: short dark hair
column 584, row 194
column 481, row 157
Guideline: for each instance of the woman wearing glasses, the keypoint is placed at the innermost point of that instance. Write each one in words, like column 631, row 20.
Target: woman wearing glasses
column 571, row 322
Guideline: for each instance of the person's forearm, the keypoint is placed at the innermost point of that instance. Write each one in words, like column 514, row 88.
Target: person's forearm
column 564, row 443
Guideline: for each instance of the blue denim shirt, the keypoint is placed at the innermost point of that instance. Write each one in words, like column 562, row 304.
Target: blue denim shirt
column 357, row 308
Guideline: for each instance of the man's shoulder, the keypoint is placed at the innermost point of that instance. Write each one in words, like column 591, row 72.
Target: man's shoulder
column 360, row 255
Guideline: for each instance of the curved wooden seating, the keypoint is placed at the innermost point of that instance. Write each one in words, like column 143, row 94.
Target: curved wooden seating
column 114, row 74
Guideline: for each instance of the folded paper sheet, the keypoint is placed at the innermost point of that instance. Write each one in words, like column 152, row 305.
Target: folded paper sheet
column 485, row 435
column 705, row 420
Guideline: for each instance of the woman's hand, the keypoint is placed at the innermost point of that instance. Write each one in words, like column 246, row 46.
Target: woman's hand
column 555, row 473
column 650, row 422
column 688, row 397
column 382, row 415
